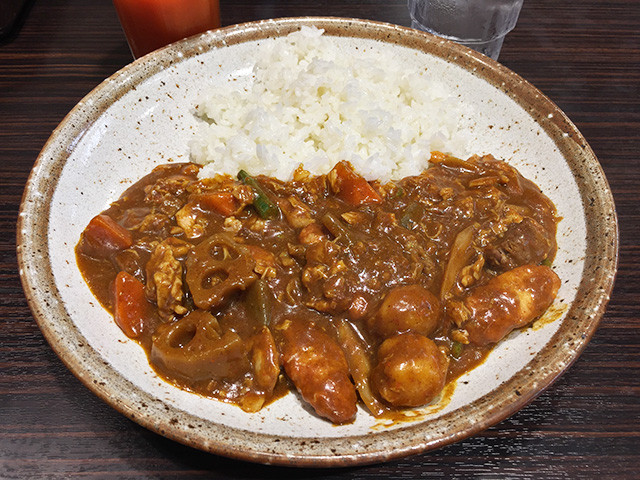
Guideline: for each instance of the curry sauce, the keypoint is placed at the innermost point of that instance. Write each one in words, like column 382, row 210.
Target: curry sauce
column 345, row 289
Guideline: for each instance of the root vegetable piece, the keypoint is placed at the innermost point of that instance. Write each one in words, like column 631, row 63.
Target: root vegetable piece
column 104, row 236
column 351, row 187
column 132, row 309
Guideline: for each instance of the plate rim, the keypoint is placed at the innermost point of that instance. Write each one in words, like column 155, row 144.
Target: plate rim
column 86, row 364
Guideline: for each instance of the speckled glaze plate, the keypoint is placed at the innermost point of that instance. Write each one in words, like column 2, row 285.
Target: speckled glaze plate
column 142, row 116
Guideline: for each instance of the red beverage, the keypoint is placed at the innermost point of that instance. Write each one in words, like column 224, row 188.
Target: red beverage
column 151, row 24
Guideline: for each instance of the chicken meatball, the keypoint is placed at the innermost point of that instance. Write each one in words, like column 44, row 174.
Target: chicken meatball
column 411, row 370
column 409, row 308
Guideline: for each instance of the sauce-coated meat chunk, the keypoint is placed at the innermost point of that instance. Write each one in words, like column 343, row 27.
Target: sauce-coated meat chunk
column 508, row 301
column 265, row 370
column 317, row 367
column 409, row 308
column 411, row 370
column 523, row 243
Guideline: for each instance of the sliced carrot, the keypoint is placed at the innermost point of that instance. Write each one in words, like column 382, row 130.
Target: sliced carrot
column 106, row 236
column 438, row 157
column 222, row 202
column 131, row 307
column 351, row 187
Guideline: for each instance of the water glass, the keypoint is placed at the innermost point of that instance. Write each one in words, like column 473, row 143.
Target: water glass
column 478, row 24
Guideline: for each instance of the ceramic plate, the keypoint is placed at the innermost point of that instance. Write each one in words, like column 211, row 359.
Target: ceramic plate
column 142, row 116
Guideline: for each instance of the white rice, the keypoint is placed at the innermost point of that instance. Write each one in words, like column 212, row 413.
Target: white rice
column 310, row 103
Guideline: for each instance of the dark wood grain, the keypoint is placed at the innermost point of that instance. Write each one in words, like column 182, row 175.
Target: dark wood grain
column 584, row 55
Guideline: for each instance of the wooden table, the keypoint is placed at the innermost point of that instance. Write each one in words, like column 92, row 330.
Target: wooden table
column 584, row 55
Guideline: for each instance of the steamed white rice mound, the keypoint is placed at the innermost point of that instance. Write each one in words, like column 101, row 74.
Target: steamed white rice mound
column 310, row 103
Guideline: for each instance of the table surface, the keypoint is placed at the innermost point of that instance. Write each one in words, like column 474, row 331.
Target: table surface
column 584, row 55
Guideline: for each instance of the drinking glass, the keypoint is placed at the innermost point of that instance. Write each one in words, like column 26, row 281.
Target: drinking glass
column 478, row 24
column 151, row 24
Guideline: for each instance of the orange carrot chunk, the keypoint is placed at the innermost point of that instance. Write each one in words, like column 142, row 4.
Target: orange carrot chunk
column 351, row 187
column 131, row 306
column 222, row 202
column 105, row 236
